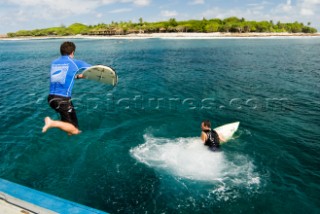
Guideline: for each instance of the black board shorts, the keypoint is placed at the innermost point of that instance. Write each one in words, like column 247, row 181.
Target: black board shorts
column 65, row 108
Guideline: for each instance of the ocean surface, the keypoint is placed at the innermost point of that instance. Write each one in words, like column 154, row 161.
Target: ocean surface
column 140, row 150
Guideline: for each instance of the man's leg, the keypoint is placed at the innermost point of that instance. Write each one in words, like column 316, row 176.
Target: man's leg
column 64, row 126
column 69, row 121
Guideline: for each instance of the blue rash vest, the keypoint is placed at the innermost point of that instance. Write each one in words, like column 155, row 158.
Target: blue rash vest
column 62, row 75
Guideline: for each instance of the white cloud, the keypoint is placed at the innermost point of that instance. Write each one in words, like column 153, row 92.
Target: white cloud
column 306, row 12
column 217, row 12
column 302, row 8
column 287, row 7
column 196, row 2
column 169, row 13
column 136, row 2
column 284, row 8
column 311, row 1
column 121, row 10
column 141, row 2
column 56, row 7
column 60, row 7
column 40, row 10
column 107, row 1
column 308, row 7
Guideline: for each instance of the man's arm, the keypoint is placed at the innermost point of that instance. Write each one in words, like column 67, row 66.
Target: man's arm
column 80, row 76
column 203, row 137
column 81, row 66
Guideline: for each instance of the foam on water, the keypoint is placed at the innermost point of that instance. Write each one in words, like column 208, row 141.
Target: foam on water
column 188, row 158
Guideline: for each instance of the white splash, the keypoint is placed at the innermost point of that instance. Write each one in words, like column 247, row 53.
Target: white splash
column 188, row 158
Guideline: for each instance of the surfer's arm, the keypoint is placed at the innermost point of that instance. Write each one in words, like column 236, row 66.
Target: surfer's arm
column 203, row 137
column 81, row 66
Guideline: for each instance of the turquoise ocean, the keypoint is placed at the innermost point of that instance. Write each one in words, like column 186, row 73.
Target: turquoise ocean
column 140, row 150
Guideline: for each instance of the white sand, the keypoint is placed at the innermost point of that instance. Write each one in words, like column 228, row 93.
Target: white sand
column 177, row 36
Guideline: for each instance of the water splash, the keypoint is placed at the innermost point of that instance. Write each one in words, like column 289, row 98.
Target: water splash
column 188, row 158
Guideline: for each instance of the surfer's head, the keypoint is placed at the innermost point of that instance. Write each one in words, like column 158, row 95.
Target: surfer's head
column 67, row 48
column 205, row 125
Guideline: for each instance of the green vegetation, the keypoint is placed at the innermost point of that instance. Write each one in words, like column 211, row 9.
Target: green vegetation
column 231, row 24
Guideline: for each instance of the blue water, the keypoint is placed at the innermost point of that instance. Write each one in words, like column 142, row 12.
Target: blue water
column 140, row 152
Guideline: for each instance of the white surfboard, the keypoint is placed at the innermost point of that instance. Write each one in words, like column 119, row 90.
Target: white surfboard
column 102, row 74
column 226, row 131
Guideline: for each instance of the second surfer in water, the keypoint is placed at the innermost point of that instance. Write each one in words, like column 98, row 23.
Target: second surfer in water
column 210, row 137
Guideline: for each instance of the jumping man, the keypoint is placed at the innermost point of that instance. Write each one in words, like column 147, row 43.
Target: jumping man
column 62, row 75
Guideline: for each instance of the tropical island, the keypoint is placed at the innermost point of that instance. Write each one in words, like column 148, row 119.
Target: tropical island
column 231, row 25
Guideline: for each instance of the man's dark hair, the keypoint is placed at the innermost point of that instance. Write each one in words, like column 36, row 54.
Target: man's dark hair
column 207, row 123
column 67, row 48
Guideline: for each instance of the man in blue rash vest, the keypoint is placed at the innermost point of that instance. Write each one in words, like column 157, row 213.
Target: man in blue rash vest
column 210, row 137
column 62, row 75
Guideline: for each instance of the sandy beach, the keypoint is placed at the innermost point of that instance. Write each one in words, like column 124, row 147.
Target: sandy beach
column 217, row 35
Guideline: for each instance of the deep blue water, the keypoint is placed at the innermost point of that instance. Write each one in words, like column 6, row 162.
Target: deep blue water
column 140, row 152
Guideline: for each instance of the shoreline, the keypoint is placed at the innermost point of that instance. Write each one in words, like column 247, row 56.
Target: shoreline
column 217, row 35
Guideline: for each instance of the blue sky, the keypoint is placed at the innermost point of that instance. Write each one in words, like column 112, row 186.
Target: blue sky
column 31, row 14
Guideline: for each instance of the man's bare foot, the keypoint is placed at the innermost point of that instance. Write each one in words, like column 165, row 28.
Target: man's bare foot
column 75, row 132
column 47, row 124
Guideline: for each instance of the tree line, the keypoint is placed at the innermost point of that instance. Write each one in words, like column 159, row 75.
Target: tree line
column 231, row 24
